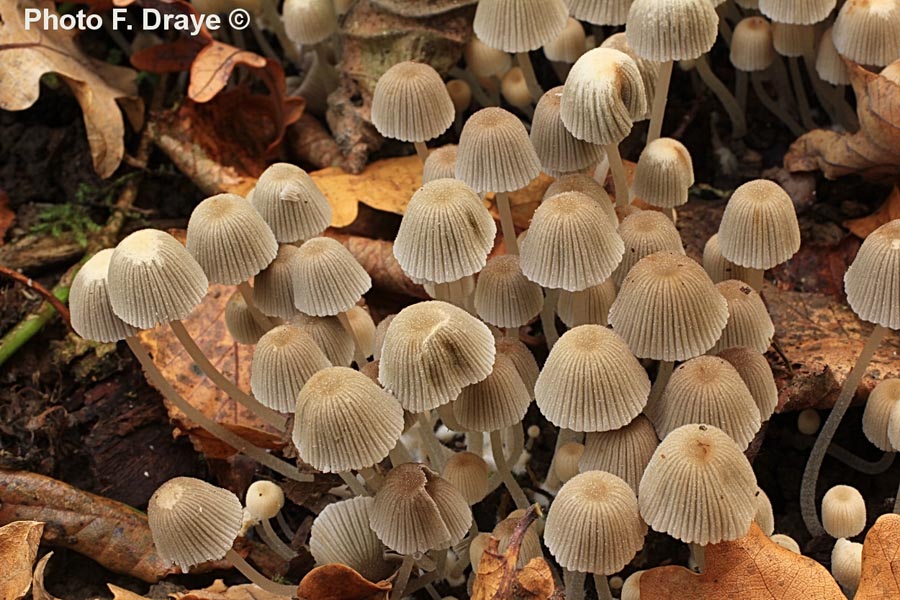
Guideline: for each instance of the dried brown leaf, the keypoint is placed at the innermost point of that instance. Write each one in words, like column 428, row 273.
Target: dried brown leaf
column 7, row 216
column 19, row 543
column 123, row 594
column 212, row 67
column 888, row 211
column 219, row 591
column 880, row 578
column 38, row 591
column 340, row 582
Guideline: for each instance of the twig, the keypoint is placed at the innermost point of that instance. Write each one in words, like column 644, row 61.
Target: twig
column 34, row 285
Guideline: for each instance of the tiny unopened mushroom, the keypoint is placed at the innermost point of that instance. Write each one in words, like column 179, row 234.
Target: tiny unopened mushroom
column 264, row 500
column 341, row 534
column 846, row 564
column 786, row 542
column 291, row 203
column 877, row 414
column 843, row 512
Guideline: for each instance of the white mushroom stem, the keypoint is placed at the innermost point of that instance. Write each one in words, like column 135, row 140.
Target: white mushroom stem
column 534, row 88
column 862, row 465
column 601, row 582
column 774, row 107
column 403, row 577
column 620, row 179
column 729, row 102
column 820, row 89
column 574, row 584
column 475, row 443
column 265, row 413
column 399, row 454
column 354, row 484
column 258, row 316
column 283, row 524
column 517, row 445
column 800, row 93
column 359, row 357
column 506, row 475
column 663, row 373
column 481, row 97
column 659, row 101
column 814, row 464
column 755, row 277
column 268, row 535
column 462, row 553
column 548, row 316
column 506, row 223
column 433, row 446
column 232, row 439
column 421, row 151
column 258, row 578
column 373, row 478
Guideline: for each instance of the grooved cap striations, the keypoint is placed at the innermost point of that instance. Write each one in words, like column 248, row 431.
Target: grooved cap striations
column 664, row 174
column 644, row 233
column 469, row 474
column 579, row 182
column 600, row 12
column 504, row 297
column 829, row 64
column 624, row 452
column 749, row 323
column 440, row 164
column 717, row 267
column 309, row 22
column 411, row 103
column 558, row 150
column 327, row 278
column 649, row 69
column 498, row 401
column 754, row 369
column 868, row 31
column 283, row 360
column 495, row 153
column 797, row 12
column 329, row 335
column 664, row 30
column 587, row 307
column 91, row 312
column 341, row 534
column 876, row 421
column 872, row 282
column 291, row 203
column 522, row 358
column 240, row 323
column 519, row 25
column 273, row 287
column 843, row 512
column 752, row 45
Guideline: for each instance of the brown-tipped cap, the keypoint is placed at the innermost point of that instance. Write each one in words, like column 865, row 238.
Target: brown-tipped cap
column 568, row 45
column 644, row 233
column 664, row 173
column 531, row 541
column 877, row 415
column 431, row 351
column 460, row 94
column 668, row 308
column 291, row 203
column 309, row 22
column 593, row 525
column 153, row 279
column 558, row 150
column 329, row 335
column 754, row 369
column 718, row 268
column 604, row 94
column 446, row 233
column 503, row 296
column 283, row 360
column 843, row 512
column 797, row 12
column 591, row 381
column 868, row 31
column 698, row 487
column 495, row 153
column 829, row 64
column 565, row 460
column 273, row 287
column 793, row 40
column 496, row 402
column 623, row 452
column 587, row 307
column 193, row 521
column 749, row 323
column 239, row 321
column 759, row 227
column 327, row 278
column 649, row 69
column 485, row 61
column 605, row 12
column 92, row 314
column 341, row 534
column 522, row 358
column 672, row 30
column 469, row 474
column 579, row 182
column 345, row 421
column 571, row 244
column 440, row 164
column 415, row 511
column 873, row 291
column 411, row 103
column 752, row 45
column 519, row 25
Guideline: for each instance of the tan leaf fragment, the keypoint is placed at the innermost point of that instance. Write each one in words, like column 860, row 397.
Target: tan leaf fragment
column 19, row 543
column 123, row 594
column 340, row 582
column 39, row 592
column 880, row 578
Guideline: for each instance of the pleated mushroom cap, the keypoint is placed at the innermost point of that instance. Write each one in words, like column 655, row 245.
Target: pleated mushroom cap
column 579, row 182
column 664, row 30
column 291, row 203
column 749, row 323
column 519, row 25
column 603, row 96
column 522, row 358
column 514, row 88
column 644, row 233
column 440, row 164
column 329, row 335
column 877, row 415
column 587, row 307
column 793, row 40
column 498, row 401
column 240, row 323
column 649, row 69
column 193, row 521
column 600, row 12
column 718, row 268
column 153, row 279
column 504, row 297
column 664, row 173
column 829, row 64
column 593, row 525
column 786, row 542
column 872, row 282
column 446, row 233
column 485, row 61
column 698, row 487
column 752, row 45
column 327, row 278
column 91, row 313
column 591, row 381
column 868, row 31
column 765, row 518
column 568, row 45
column 754, row 369
column 624, row 452
column 668, row 308
column 558, row 150
column 797, row 12
column 345, row 421
column 283, row 360
column 341, row 534
column 411, row 104
column 431, row 351
column 229, row 239
column 416, row 510
column 495, row 153
column 759, row 227
column 469, row 474
column 843, row 512
column 846, row 564
column 571, row 244
column 565, row 460
column 531, row 541
column 309, row 22
column 273, row 287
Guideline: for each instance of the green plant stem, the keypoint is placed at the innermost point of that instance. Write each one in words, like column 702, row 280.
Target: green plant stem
column 28, row 327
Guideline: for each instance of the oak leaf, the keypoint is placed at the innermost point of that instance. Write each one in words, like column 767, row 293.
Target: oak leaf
column 340, row 582
column 880, row 576
column 19, row 543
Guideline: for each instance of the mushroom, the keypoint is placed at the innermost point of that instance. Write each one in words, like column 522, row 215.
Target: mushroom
column 648, row 69
column 531, row 541
column 749, row 323
column 241, row 325
column 264, row 500
column 868, row 31
column 440, row 164
column 765, row 518
column 631, row 588
column 589, row 306
column 846, row 564
column 461, row 95
column 624, row 452
column 802, row 12
column 363, row 329
column 273, row 287
column 566, row 459
column 341, row 534
column 644, row 233
column 843, row 512
column 786, row 542
column 606, row 12
column 718, row 268
column 579, row 182
column 664, row 175
column 829, row 64
column 469, row 474
column 522, row 358
column 514, row 90
column 283, row 361
column 504, row 297
column 876, row 421
column 756, row 373
column 336, row 342
column 558, row 150
column 566, row 47
column 309, row 22
column 288, row 199
column 809, row 421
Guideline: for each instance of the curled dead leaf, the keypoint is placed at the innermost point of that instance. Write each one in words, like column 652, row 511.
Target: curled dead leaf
column 38, row 591
column 340, row 582
column 123, row 594
column 19, row 543
column 888, row 211
column 880, row 576
column 213, row 65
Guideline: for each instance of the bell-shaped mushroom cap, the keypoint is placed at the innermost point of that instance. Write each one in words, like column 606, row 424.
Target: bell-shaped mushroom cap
column 193, row 521
column 503, row 296
column 752, row 46
column 345, row 421
column 603, row 96
column 603, row 12
column 568, row 45
column 446, row 232
column 440, row 164
column 469, row 474
column 496, row 402
column 229, row 239
column 644, row 233
column 514, row 88
column 717, row 267
column 292, row 205
column 764, row 516
column 460, row 94
column 593, row 525
column 587, row 307
column 519, row 25
column 329, row 335
column 522, row 358
column 829, row 64
column 380, row 330
column 431, row 351
column 485, row 61
column 341, row 534
column 591, row 381
column 495, row 153
column 754, row 369
column 759, row 227
column 786, row 542
column 363, row 329
column 558, row 150
column 579, row 182
column 571, row 244
column 877, row 414
column 664, row 30
column 668, row 308
column 649, row 69
column 846, row 564
column 240, row 323
column 283, row 360
column 153, row 279
column 309, row 22
column 411, row 103
column 749, row 323
column 416, row 510
column 531, row 541
column 793, row 40
column 707, row 389
column 664, row 173
column 871, row 282
column 565, row 460
column 327, row 278
column 868, row 31
column 623, row 452
column 264, row 499
column 631, row 587
column 91, row 313
column 698, row 487
column 843, row 512
column 273, row 287
column 797, row 12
